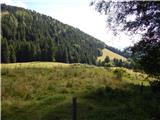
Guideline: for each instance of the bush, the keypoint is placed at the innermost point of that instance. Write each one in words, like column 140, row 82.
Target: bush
column 108, row 65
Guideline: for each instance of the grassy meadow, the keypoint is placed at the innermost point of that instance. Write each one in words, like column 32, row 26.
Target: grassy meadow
column 112, row 55
column 44, row 91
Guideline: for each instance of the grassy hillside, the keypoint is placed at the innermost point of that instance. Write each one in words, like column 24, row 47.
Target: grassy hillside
column 44, row 91
column 111, row 54
column 34, row 65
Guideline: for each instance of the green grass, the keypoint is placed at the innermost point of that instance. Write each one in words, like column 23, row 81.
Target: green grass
column 112, row 55
column 36, row 92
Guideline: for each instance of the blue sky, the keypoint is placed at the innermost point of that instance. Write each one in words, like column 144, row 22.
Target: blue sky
column 76, row 13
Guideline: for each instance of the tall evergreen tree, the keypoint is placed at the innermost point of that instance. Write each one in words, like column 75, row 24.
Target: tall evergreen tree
column 5, row 53
column 12, row 54
column 51, row 51
column 66, row 56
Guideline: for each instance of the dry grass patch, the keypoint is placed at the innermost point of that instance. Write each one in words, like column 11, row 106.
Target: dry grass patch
column 111, row 55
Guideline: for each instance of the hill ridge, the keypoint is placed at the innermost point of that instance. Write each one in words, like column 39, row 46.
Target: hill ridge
column 30, row 36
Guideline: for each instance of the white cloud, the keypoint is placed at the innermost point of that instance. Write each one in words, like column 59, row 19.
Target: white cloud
column 19, row 3
column 122, row 40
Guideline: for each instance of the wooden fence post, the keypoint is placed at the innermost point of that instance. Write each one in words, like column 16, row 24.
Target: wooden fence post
column 74, row 108
column 141, row 88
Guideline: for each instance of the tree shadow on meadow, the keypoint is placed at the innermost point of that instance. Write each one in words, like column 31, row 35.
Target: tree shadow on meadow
column 104, row 103
column 111, row 104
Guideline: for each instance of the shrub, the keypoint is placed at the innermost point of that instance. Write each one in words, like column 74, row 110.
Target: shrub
column 108, row 65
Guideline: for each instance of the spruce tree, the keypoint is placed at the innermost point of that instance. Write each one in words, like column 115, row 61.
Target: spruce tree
column 66, row 56
column 12, row 54
column 5, row 53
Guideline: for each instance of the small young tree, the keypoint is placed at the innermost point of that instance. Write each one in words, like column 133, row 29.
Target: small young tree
column 107, row 59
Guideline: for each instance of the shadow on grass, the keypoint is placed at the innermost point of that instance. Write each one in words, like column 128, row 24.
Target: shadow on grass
column 103, row 103
column 112, row 104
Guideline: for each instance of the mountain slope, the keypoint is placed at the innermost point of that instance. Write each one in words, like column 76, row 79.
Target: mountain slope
column 31, row 36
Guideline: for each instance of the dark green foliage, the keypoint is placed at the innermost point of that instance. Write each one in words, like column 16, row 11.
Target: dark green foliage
column 12, row 54
column 126, row 64
column 100, row 63
column 37, row 37
column 146, row 12
column 117, row 62
column 5, row 53
column 147, row 17
column 147, row 52
column 127, row 52
column 99, row 52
